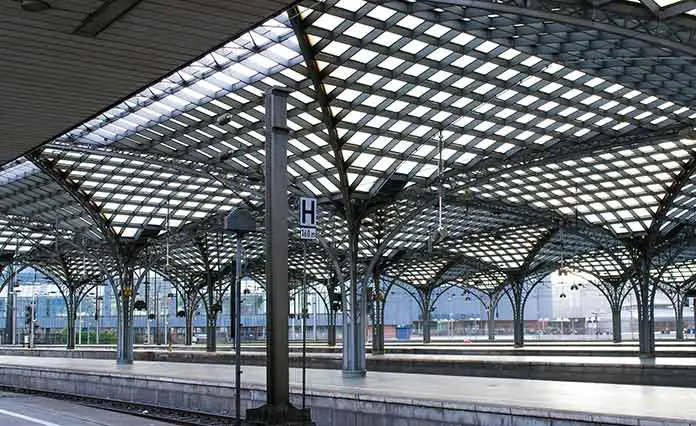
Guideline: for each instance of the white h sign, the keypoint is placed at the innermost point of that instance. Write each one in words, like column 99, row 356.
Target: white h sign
column 308, row 218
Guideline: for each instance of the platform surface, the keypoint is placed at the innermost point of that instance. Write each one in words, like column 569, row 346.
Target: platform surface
column 458, row 354
column 627, row 401
column 29, row 410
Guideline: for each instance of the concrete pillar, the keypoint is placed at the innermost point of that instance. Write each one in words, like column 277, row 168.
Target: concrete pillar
column 616, row 323
column 278, row 410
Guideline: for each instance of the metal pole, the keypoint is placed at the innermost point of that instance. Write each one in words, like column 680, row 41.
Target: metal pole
column 277, row 359
column 98, row 316
column 14, row 320
column 13, row 326
column 314, row 315
column 157, row 314
column 33, row 319
column 165, row 299
column 303, row 310
column 238, row 331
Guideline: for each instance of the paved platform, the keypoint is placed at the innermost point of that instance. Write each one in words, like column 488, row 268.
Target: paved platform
column 400, row 398
column 663, row 371
column 580, row 349
column 26, row 410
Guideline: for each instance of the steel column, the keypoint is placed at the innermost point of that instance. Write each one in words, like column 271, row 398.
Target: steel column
column 71, row 308
column 679, row 317
column 378, row 322
column 491, row 320
column 354, row 313
column 10, row 317
column 188, row 333
column 426, row 318
column 238, row 328
column 125, row 319
column 278, row 410
column 277, row 131
column 616, row 323
column 331, row 328
column 518, row 317
column 211, row 315
column 646, row 320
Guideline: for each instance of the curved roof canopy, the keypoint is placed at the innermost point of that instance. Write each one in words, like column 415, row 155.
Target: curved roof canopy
column 552, row 139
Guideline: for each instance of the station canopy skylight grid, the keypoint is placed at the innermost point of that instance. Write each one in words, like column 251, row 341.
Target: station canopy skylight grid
column 528, row 135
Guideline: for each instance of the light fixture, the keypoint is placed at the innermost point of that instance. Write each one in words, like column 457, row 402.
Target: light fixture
column 34, row 5
column 224, row 119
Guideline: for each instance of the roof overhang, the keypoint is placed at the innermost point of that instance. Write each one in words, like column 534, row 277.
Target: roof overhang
column 68, row 63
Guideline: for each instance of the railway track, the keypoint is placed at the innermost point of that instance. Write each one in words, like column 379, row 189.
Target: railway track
column 169, row 415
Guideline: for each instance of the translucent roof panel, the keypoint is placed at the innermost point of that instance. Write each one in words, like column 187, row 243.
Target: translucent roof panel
column 606, row 264
column 400, row 82
column 504, row 249
column 679, row 275
column 620, row 190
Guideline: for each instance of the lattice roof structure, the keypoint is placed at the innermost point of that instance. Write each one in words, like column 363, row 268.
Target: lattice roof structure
column 549, row 138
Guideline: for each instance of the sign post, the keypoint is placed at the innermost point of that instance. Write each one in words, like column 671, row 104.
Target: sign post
column 307, row 220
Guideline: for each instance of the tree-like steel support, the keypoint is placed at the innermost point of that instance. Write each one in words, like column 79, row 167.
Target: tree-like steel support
column 517, row 315
column 71, row 317
column 645, row 294
column 491, row 306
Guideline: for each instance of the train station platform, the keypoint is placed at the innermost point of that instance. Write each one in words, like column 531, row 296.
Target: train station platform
column 379, row 399
column 614, row 366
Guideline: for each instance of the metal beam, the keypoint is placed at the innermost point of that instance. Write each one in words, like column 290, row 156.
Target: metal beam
column 105, row 15
column 488, row 168
column 673, row 192
column 535, row 12
column 82, row 199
